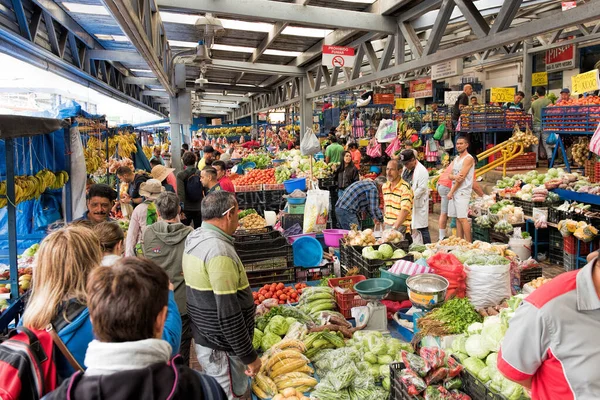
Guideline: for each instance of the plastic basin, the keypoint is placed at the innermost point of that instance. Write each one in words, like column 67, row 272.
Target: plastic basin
column 296, row 200
column 249, row 165
column 278, row 162
column 293, row 184
column 332, row 236
column 308, row 252
column 375, row 169
column 374, row 287
column 293, row 238
column 398, row 279
column 319, row 156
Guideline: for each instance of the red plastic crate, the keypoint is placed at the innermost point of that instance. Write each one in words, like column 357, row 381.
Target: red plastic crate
column 570, row 246
column 435, row 197
column 596, row 173
column 525, row 161
column 346, row 301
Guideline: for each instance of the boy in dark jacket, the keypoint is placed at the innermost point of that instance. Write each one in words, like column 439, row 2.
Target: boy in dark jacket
column 128, row 307
column 191, row 207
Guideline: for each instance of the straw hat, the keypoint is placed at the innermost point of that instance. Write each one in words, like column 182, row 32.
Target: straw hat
column 160, row 172
column 151, row 189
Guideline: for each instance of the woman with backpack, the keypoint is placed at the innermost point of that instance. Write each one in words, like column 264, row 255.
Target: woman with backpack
column 143, row 215
column 190, row 191
column 58, row 295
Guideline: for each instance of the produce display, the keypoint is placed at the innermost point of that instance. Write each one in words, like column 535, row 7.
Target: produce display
column 244, row 213
column 580, row 150
column 121, row 144
column 261, row 160
column 255, row 177
column 252, row 221
column 367, row 237
column 280, row 292
column 29, row 187
column 580, row 229
column 536, row 283
column 314, row 300
column 452, row 317
column 229, row 131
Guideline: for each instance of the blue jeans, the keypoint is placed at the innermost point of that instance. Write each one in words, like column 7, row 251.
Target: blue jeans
column 346, row 218
column 425, row 234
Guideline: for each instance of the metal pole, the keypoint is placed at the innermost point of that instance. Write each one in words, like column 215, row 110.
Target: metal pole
column 12, row 218
column 305, row 107
column 527, row 72
column 68, row 203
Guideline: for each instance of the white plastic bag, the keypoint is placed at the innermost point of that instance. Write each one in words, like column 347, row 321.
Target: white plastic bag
column 487, row 285
column 316, row 211
column 417, row 236
column 387, row 131
column 310, row 145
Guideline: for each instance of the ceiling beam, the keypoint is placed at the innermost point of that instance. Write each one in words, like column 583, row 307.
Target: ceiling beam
column 386, row 7
column 218, row 97
column 474, row 18
column 267, row 41
column 420, row 9
column 505, row 16
column 117, row 55
column 217, row 87
column 155, row 93
column 291, row 13
column 248, row 67
column 439, row 28
column 135, row 80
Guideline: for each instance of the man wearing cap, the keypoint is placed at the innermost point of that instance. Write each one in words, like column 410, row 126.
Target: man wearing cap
column 397, row 199
column 143, row 215
column 565, row 96
column 207, row 159
column 549, row 343
column 419, row 180
column 358, row 197
column 536, row 111
column 163, row 175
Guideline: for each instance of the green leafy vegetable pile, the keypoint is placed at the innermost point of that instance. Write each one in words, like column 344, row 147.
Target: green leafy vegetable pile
column 453, row 317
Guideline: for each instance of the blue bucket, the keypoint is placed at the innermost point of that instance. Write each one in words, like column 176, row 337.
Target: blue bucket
column 308, row 252
column 293, row 184
column 296, row 200
column 249, row 165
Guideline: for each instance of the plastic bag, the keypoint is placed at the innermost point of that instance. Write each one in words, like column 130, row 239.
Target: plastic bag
column 374, row 149
column 433, row 356
column 415, row 363
column 309, row 145
column 436, row 376
column 316, row 211
column 414, row 384
column 488, row 285
column 46, row 211
column 387, row 131
column 551, row 139
column 393, row 147
column 448, row 266
column 439, row 132
column 595, row 141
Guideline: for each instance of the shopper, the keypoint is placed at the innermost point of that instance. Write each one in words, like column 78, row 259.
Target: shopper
column 209, row 180
column 361, row 196
column 420, row 188
column 143, row 216
column 128, row 359
column 333, row 152
column 474, row 101
column 536, row 110
column 224, row 181
column 462, row 100
column 346, row 173
column 226, row 156
column 165, row 176
column 58, row 295
column 184, row 147
column 251, row 144
column 219, row 299
column 111, row 239
column 517, row 104
column 356, row 156
column 462, row 177
column 207, row 158
column 565, row 96
column 549, row 343
column 190, row 191
column 397, row 199
column 157, row 155
column 164, row 242
column 100, row 200
column 133, row 197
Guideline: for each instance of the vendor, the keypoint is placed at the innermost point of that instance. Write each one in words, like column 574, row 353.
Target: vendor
column 224, row 181
column 474, row 101
column 133, row 197
column 355, row 153
column 517, row 104
column 157, row 156
column 549, row 343
column 251, row 144
column 207, row 158
column 100, row 200
column 419, row 181
column 361, row 196
column 333, row 153
column 397, row 199
column 565, row 96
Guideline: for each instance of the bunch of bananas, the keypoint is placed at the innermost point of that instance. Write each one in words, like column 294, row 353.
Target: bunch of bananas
column 284, row 366
column 148, row 151
column 31, row 187
column 126, row 145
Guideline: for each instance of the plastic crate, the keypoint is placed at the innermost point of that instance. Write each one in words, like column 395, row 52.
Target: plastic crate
column 346, row 301
column 477, row 389
column 497, row 237
column 554, row 215
column 296, row 208
column 398, row 390
column 326, row 183
column 313, row 274
column 435, row 197
column 570, row 262
column 556, row 256
column 247, row 188
column 596, row 173
column 289, row 220
column 259, row 278
column 555, row 239
column 570, row 246
column 480, row 233
column 255, row 235
column 271, row 186
column 529, row 274
column 525, row 161
column 572, row 119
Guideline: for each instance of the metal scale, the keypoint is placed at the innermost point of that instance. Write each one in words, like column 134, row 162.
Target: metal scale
column 373, row 316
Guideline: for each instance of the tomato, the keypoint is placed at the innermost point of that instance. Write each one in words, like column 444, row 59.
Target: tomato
column 261, row 298
column 275, row 297
column 279, row 292
column 280, row 286
column 283, row 297
column 269, row 295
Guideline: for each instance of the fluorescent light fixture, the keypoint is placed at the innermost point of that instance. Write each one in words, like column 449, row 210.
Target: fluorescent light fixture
column 146, row 71
column 217, row 104
column 237, row 49
column 360, row 1
column 283, row 53
column 190, row 19
column 306, row 32
column 120, row 38
column 177, row 18
column 103, row 37
column 85, row 9
column 180, row 43
column 115, row 38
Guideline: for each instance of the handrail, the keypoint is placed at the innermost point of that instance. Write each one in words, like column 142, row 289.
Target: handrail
column 509, row 150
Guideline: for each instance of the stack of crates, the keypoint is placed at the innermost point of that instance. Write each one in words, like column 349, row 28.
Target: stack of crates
column 573, row 249
column 555, row 246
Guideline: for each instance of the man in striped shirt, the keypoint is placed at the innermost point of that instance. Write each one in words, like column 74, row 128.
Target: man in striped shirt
column 398, row 198
column 358, row 197
column 219, row 299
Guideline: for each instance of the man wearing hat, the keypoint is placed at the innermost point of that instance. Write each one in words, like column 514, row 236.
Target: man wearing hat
column 207, row 159
column 565, row 96
column 166, row 177
column 417, row 175
column 143, row 215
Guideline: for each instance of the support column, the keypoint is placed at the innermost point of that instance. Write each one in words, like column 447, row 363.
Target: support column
column 527, row 71
column 305, row 107
column 253, row 116
column 180, row 115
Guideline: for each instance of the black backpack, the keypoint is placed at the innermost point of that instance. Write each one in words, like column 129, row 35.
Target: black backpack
column 194, row 191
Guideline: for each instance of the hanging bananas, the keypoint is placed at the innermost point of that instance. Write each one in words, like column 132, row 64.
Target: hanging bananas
column 95, row 152
column 29, row 187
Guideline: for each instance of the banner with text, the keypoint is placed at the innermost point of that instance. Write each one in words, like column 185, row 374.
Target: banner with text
column 502, row 95
column 420, row 88
column 539, row 79
column 404, row 104
column 560, row 58
column 446, row 69
column 586, row 82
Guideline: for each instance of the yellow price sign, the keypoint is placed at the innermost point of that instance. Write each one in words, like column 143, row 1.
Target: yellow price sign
column 502, row 95
column 404, row 104
column 539, row 79
column 586, row 82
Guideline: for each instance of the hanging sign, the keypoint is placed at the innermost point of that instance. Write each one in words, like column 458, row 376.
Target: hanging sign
column 398, row 89
column 404, row 104
column 338, row 56
column 420, row 88
column 502, row 95
column 560, row 58
column 586, row 82
column 450, row 97
column 446, row 69
column 539, row 79
column 567, row 5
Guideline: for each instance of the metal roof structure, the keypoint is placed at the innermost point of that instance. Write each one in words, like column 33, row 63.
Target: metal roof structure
column 269, row 51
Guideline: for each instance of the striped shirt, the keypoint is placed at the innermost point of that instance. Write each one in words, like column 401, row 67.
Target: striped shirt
column 396, row 199
column 361, row 196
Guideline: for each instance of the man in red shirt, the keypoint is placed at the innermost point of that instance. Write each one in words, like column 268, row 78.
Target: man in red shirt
column 251, row 144
column 223, row 179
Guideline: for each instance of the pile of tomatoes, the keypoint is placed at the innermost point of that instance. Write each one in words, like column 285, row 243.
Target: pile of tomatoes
column 278, row 291
column 256, row 177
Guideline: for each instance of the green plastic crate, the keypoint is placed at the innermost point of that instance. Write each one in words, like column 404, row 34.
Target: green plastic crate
column 296, row 208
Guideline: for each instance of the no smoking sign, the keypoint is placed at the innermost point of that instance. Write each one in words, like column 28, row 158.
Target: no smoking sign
column 337, row 61
column 338, row 56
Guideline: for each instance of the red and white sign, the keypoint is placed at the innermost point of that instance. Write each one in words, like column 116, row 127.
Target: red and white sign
column 338, row 56
column 567, row 5
column 420, row 88
column 560, row 58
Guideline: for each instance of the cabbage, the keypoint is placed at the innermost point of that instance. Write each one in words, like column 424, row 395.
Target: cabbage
column 384, row 359
column 476, row 347
column 379, row 348
column 257, row 339
column 370, row 357
column 473, row 365
column 492, row 360
column 492, row 335
column 374, row 255
column 484, row 374
column 278, row 325
column 384, row 370
column 511, row 390
column 475, row 328
column 367, row 250
column 290, row 321
column 399, row 253
column 374, row 371
column 458, row 345
column 269, row 340
column 386, row 250
column 417, row 247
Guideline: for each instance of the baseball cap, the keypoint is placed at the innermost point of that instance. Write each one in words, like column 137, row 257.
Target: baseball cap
column 565, row 90
column 208, row 149
column 407, row 155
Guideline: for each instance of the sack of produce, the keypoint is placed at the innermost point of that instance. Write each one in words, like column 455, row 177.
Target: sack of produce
column 448, row 266
column 488, row 285
column 316, row 211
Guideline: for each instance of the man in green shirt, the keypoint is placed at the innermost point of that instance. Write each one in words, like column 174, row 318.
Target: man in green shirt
column 333, row 153
column 536, row 111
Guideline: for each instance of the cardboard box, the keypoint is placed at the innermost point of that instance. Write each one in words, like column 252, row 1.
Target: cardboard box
column 216, row 121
